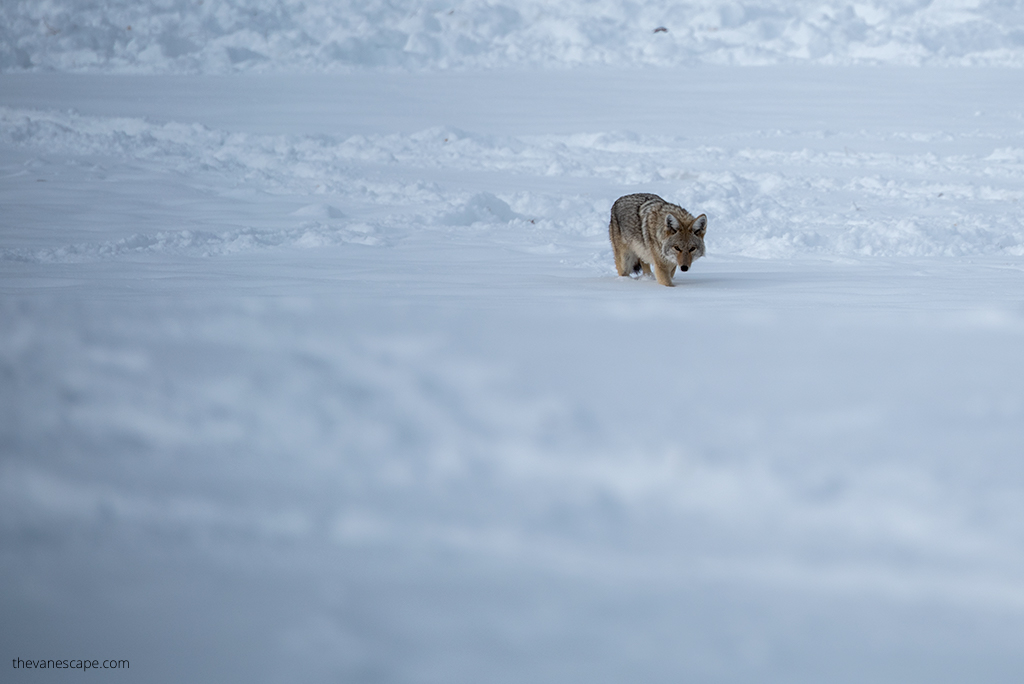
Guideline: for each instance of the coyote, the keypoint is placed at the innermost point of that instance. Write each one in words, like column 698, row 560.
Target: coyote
column 646, row 231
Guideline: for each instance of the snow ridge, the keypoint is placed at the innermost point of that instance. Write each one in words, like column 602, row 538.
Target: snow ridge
column 182, row 36
column 765, row 203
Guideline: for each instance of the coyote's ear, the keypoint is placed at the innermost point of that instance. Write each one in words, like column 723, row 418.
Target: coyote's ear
column 700, row 225
column 672, row 223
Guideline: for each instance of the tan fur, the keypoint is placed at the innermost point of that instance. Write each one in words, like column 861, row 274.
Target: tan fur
column 649, row 233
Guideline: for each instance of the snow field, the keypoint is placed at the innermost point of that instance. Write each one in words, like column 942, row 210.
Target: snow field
column 318, row 404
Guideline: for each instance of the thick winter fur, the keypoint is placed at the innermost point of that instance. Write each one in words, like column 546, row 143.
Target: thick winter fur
column 648, row 232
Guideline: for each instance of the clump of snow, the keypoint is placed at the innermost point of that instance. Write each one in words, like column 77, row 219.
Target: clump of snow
column 319, row 210
column 185, row 36
column 480, row 208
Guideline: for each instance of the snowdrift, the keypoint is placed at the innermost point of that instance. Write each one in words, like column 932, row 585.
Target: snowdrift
column 185, row 36
column 767, row 201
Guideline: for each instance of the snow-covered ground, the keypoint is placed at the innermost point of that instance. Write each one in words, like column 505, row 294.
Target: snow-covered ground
column 322, row 377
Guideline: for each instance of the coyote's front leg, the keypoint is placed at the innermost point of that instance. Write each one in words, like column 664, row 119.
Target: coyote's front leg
column 663, row 275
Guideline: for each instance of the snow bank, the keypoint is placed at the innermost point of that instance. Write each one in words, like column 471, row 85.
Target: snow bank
column 220, row 36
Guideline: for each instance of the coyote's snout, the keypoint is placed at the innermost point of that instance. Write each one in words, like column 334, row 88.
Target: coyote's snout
column 648, row 232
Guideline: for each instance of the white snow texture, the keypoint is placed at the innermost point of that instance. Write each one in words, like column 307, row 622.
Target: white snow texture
column 220, row 36
column 315, row 366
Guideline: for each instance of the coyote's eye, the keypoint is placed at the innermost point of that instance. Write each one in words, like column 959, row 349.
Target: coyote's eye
column 693, row 249
column 678, row 249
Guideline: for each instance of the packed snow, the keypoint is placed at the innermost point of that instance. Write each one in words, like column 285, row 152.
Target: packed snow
column 314, row 364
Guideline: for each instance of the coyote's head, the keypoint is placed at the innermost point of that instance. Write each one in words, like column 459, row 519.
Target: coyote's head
column 683, row 238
